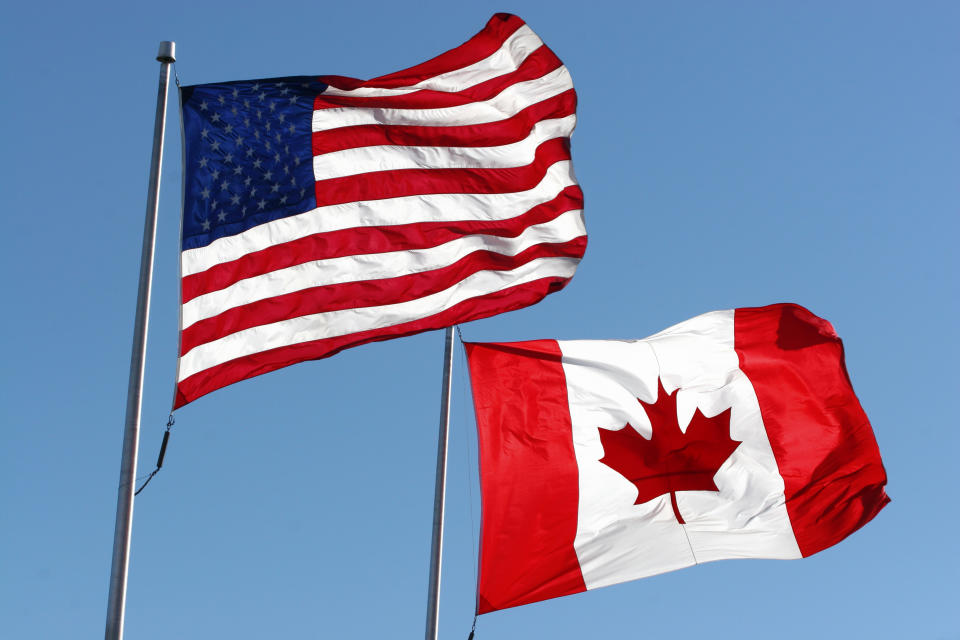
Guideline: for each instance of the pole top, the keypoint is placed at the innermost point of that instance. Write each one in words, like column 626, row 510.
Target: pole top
column 166, row 52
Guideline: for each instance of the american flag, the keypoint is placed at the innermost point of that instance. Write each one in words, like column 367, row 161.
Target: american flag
column 321, row 213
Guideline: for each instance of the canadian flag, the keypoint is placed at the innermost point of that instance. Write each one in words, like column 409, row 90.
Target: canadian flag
column 735, row 434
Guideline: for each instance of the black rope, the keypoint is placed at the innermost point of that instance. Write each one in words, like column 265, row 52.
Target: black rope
column 146, row 482
column 473, row 628
column 163, row 452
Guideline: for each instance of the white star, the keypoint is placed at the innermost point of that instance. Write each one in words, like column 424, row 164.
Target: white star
column 215, row 117
column 235, row 200
column 286, row 149
column 266, row 143
column 224, row 185
column 261, row 204
column 247, row 182
column 286, row 169
column 228, row 157
column 255, row 87
column 291, row 129
column 203, row 106
column 280, row 84
column 204, row 133
column 206, row 225
column 246, row 122
column 263, row 94
column 267, row 126
column 221, row 216
column 243, row 212
column 239, row 142
column 293, row 99
column 215, row 145
column 237, row 170
column 249, row 151
column 204, row 162
column 233, row 110
column 302, row 191
column 283, row 200
column 213, row 205
column 229, row 128
column 276, row 157
column 282, row 117
column 253, row 191
column 279, row 139
column 296, row 160
column 259, row 114
column 236, row 92
column 273, row 106
column 268, row 175
column 216, row 174
column 221, row 100
column 257, row 163
column 293, row 181
column 284, row 92
column 275, row 188
column 205, row 193
column 246, row 103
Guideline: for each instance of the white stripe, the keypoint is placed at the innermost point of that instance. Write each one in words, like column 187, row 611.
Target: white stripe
column 318, row 273
column 745, row 518
column 507, row 103
column 338, row 323
column 350, row 162
column 376, row 213
column 504, row 60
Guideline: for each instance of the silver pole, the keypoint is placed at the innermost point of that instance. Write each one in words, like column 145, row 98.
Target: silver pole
column 439, row 491
column 131, row 431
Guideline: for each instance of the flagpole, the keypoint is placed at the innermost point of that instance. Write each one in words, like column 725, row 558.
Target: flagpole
column 439, row 491
column 116, row 600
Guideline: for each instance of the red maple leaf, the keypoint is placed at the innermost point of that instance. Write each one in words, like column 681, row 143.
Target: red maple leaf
column 670, row 460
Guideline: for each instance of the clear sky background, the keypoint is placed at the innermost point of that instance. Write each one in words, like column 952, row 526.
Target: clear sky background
column 731, row 154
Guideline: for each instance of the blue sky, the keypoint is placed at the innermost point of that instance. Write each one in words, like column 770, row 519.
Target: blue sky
column 731, row 154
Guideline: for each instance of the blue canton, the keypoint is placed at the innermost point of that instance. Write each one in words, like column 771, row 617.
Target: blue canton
column 248, row 157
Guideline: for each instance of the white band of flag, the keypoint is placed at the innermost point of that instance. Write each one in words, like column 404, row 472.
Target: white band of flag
column 367, row 159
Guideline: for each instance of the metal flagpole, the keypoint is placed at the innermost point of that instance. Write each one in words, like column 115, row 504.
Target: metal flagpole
column 439, row 492
column 131, row 431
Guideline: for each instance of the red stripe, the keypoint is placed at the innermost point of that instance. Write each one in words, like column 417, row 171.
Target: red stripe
column 410, row 182
column 489, row 134
column 536, row 65
column 365, row 293
column 368, row 240
column 500, row 27
column 528, row 474
column 821, row 437
column 517, row 297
